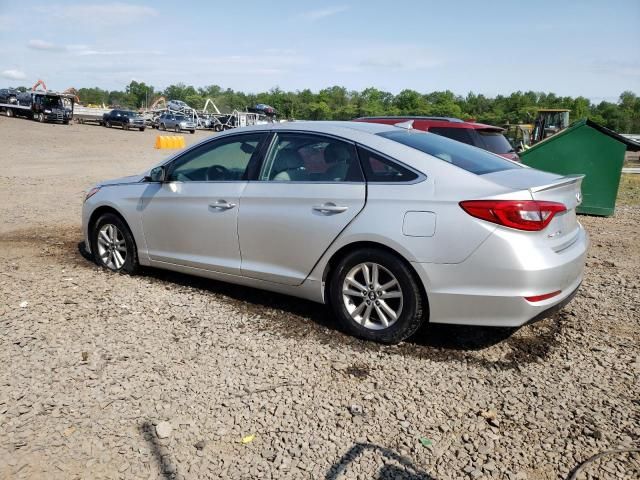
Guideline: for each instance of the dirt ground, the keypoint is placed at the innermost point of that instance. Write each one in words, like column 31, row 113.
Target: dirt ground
column 162, row 376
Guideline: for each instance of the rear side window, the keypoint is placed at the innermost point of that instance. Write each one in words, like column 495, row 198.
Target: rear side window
column 460, row 134
column 469, row 158
column 493, row 141
column 382, row 170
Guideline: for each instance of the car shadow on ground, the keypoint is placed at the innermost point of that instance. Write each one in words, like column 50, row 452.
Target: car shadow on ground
column 298, row 318
column 396, row 466
column 162, row 458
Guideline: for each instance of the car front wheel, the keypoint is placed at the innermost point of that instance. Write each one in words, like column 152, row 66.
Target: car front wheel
column 113, row 245
column 375, row 296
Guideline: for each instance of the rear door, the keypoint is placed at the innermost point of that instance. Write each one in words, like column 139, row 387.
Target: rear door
column 308, row 190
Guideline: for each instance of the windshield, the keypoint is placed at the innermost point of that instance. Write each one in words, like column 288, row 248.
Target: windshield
column 129, row 114
column 494, row 141
column 51, row 102
column 461, row 155
column 180, row 117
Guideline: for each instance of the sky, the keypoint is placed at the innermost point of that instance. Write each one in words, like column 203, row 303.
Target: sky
column 571, row 47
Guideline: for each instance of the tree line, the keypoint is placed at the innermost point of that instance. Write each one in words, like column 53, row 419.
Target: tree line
column 338, row 103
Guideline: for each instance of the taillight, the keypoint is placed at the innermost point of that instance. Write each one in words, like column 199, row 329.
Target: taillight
column 529, row 215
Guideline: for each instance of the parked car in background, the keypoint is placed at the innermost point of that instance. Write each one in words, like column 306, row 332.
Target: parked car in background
column 391, row 227
column 123, row 118
column 479, row 135
column 175, row 121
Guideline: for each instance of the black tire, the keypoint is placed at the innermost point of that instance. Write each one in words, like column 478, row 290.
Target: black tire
column 217, row 128
column 107, row 124
column 142, row 129
column 162, row 127
column 131, row 264
column 9, row 112
column 413, row 312
column 41, row 117
column 178, row 129
column 125, row 126
column 192, row 131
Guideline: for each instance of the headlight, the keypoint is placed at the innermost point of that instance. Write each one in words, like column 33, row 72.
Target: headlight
column 90, row 193
column 47, row 111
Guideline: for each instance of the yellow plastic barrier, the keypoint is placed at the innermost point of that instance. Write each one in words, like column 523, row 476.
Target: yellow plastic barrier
column 169, row 141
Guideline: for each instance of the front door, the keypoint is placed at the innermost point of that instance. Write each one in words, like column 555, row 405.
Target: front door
column 191, row 219
column 309, row 188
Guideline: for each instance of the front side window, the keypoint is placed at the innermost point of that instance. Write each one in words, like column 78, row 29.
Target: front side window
column 302, row 157
column 471, row 159
column 222, row 160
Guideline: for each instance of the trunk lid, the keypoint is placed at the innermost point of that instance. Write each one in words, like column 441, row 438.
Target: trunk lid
column 548, row 187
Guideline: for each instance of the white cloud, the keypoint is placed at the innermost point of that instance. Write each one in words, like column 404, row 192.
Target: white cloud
column 43, row 45
column 265, row 64
column 388, row 58
column 100, row 14
column 321, row 13
column 13, row 74
column 85, row 50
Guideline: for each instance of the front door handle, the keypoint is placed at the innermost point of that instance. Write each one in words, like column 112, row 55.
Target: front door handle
column 330, row 207
column 222, row 205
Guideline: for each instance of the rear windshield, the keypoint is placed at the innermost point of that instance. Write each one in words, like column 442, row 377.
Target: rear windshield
column 470, row 158
column 494, row 141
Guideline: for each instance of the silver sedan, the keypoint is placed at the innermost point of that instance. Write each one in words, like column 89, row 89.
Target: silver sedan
column 390, row 226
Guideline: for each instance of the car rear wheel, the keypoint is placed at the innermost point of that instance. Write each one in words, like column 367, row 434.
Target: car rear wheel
column 9, row 113
column 375, row 296
column 178, row 129
column 192, row 131
column 113, row 245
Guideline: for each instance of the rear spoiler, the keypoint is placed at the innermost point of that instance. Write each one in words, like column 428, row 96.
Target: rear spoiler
column 567, row 180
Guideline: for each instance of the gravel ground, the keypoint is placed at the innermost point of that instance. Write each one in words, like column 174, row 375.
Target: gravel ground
column 167, row 376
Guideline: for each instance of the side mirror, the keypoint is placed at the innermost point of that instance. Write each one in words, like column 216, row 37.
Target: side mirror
column 156, row 174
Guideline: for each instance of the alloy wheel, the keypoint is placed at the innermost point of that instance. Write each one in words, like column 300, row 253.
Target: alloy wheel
column 112, row 247
column 372, row 295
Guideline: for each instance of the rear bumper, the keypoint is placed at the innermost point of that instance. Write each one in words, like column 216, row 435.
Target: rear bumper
column 489, row 288
column 555, row 308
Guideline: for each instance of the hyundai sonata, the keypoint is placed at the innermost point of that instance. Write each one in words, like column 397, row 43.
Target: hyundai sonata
column 390, row 226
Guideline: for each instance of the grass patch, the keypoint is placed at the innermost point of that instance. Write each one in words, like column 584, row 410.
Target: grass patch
column 629, row 191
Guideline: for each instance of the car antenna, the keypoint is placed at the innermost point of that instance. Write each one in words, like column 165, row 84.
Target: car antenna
column 408, row 125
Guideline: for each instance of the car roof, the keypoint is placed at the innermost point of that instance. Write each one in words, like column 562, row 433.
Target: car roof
column 419, row 121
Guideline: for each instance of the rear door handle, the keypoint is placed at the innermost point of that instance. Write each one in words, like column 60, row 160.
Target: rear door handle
column 222, row 205
column 330, row 207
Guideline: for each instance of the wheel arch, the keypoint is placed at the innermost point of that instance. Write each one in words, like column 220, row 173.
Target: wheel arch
column 358, row 245
column 101, row 210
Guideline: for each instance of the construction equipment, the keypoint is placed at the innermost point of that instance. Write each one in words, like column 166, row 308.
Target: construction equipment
column 548, row 122
column 39, row 83
column 519, row 135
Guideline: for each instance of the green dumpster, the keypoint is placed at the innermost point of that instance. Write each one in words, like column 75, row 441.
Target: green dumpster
column 588, row 148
